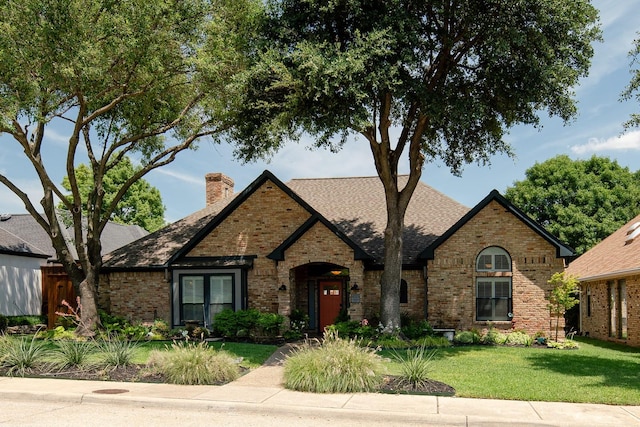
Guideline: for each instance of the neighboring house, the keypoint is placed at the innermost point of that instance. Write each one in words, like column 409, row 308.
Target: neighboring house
column 26, row 255
column 316, row 245
column 609, row 275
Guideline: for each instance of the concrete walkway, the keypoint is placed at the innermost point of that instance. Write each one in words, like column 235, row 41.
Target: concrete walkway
column 261, row 389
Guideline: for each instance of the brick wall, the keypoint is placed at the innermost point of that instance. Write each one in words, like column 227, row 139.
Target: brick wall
column 452, row 276
column 415, row 306
column 596, row 322
column 138, row 296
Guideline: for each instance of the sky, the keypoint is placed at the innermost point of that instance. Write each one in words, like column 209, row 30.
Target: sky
column 597, row 130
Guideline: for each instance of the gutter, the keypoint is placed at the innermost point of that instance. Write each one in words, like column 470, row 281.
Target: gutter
column 630, row 271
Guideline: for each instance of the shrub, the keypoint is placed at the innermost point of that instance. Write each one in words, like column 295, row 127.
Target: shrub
column 298, row 323
column 493, row 337
column 194, row 364
column 352, row 329
column 18, row 356
column 335, row 366
column 25, row 320
column 562, row 345
column 432, row 342
column 160, row 329
column 415, row 366
column 392, row 341
column 466, row 337
column 269, row 324
column 518, row 338
column 57, row 333
column 417, row 329
column 72, row 354
column 232, row 324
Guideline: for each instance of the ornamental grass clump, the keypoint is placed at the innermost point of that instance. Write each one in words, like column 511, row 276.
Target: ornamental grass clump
column 72, row 354
column 415, row 366
column 115, row 353
column 19, row 356
column 194, row 364
column 335, row 365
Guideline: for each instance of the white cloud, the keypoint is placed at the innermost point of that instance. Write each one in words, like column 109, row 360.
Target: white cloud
column 189, row 179
column 625, row 142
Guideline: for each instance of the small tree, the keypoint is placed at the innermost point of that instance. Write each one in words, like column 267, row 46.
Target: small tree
column 562, row 297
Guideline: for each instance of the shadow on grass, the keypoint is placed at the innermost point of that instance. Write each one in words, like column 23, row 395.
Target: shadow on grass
column 615, row 370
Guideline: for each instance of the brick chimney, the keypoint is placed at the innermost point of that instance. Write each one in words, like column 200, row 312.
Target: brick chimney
column 219, row 187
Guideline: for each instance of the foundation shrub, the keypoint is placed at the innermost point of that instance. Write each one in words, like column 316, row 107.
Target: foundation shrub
column 466, row 338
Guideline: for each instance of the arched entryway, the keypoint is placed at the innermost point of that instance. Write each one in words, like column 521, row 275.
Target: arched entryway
column 321, row 293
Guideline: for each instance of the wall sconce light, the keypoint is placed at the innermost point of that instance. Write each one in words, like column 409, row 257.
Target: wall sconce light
column 282, row 287
column 355, row 287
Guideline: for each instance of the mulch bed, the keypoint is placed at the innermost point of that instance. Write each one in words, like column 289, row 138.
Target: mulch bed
column 139, row 373
column 393, row 384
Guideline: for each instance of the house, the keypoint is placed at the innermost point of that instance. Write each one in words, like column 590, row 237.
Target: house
column 609, row 275
column 316, row 245
column 27, row 264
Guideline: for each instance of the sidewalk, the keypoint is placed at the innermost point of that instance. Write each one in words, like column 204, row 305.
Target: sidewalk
column 261, row 390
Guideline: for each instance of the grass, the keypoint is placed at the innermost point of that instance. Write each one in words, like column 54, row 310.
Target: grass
column 333, row 366
column 190, row 363
column 598, row 372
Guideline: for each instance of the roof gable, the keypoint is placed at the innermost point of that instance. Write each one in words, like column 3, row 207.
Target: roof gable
column 562, row 250
column 356, row 206
column 242, row 197
column 278, row 253
column 616, row 255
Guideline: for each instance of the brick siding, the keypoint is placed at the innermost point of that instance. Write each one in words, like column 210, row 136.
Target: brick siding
column 452, row 275
column 597, row 322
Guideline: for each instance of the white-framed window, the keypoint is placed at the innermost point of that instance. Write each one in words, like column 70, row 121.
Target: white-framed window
column 493, row 259
column 202, row 296
column 493, row 289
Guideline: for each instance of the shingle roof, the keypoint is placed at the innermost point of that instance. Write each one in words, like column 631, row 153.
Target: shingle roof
column 158, row 248
column 562, row 250
column 611, row 257
column 25, row 228
column 21, row 231
column 357, row 207
column 14, row 245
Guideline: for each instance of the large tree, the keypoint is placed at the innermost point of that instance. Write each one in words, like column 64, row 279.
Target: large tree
column 633, row 89
column 414, row 81
column 579, row 201
column 140, row 205
column 122, row 78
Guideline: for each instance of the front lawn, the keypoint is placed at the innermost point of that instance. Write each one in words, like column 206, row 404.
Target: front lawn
column 598, row 372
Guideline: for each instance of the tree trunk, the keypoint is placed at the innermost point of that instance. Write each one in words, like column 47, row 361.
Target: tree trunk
column 392, row 273
column 89, row 318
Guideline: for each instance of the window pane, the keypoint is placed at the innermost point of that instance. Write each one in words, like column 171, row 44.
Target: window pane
column 502, row 263
column 192, row 290
column 484, row 290
column 484, row 262
column 502, row 289
column 221, row 290
column 192, row 312
column 502, row 309
column 483, row 308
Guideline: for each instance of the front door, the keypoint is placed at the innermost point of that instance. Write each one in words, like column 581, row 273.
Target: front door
column 330, row 301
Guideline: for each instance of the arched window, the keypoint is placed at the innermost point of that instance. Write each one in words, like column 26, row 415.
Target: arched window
column 493, row 288
column 404, row 292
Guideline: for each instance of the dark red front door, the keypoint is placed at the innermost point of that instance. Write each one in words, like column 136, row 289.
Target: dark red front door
column 330, row 301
